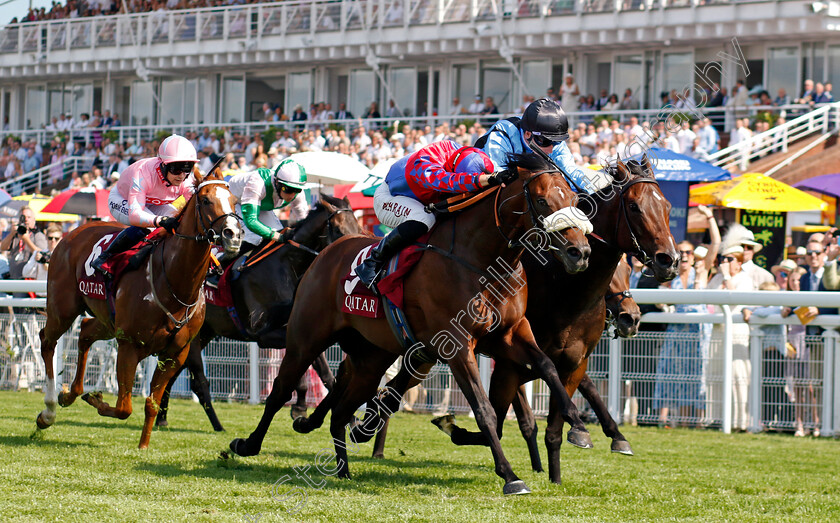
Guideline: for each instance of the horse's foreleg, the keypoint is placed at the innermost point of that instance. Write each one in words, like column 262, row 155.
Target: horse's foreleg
column 127, row 360
column 199, row 383
column 292, row 367
column 525, row 351
column 387, row 402
column 528, row 427
column 465, row 370
column 161, row 420
column 46, row 417
column 298, row 410
column 553, row 441
column 90, row 331
column 589, row 392
column 304, row 424
column 166, row 370
column 379, row 442
column 366, row 374
column 322, row 367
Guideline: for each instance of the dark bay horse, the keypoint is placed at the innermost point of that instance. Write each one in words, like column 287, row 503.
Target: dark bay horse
column 158, row 308
column 623, row 314
column 263, row 296
column 632, row 216
column 439, row 289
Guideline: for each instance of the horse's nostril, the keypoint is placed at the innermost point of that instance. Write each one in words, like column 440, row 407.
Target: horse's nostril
column 574, row 253
column 228, row 233
column 664, row 260
column 585, row 252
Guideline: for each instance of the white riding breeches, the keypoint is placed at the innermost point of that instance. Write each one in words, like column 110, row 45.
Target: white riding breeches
column 268, row 218
column 394, row 210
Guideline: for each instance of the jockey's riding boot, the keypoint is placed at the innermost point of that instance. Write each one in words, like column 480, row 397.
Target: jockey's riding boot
column 126, row 239
column 398, row 239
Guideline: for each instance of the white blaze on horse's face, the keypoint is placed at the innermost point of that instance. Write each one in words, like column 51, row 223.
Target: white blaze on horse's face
column 224, row 197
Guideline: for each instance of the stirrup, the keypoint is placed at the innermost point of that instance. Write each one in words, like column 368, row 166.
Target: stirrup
column 97, row 265
column 366, row 279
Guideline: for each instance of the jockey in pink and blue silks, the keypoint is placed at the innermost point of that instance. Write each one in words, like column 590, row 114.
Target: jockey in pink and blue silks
column 146, row 191
column 430, row 175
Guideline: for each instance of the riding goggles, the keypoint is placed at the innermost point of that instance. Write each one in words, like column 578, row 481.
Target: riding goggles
column 180, row 167
column 542, row 141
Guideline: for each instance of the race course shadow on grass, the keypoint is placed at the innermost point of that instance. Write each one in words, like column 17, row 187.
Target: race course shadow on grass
column 89, row 469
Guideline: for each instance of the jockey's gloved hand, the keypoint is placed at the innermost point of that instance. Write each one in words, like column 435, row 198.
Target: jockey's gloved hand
column 168, row 223
column 279, row 237
column 502, row 177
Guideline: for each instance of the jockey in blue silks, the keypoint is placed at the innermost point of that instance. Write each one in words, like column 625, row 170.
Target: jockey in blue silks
column 544, row 130
column 430, row 175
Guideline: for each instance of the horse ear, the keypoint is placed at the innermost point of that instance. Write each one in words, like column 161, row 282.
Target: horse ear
column 327, row 205
column 197, row 174
column 622, row 172
column 347, row 201
column 646, row 165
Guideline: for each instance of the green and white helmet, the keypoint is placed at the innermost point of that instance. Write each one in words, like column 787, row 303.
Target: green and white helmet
column 290, row 174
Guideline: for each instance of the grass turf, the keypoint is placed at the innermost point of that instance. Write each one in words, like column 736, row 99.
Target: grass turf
column 87, row 468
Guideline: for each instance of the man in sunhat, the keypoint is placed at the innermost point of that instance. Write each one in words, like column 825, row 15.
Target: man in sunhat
column 740, row 235
column 784, row 271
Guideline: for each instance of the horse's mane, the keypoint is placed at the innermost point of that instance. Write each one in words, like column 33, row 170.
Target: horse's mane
column 321, row 205
column 529, row 161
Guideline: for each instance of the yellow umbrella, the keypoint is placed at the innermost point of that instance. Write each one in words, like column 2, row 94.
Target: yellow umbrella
column 756, row 192
column 37, row 202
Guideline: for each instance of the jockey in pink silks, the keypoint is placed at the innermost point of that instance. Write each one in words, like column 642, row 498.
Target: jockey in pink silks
column 144, row 195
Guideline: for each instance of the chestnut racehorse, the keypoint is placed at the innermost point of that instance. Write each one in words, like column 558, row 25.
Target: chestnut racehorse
column 633, row 217
column 263, row 296
column 158, row 308
column 453, row 278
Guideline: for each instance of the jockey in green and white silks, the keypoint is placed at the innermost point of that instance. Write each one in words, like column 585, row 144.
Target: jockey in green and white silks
column 262, row 191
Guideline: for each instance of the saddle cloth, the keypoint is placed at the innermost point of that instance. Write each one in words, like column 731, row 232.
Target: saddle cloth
column 92, row 283
column 360, row 300
column 220, row 295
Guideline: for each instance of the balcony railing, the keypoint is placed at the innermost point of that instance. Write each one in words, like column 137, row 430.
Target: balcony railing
column 255, row 21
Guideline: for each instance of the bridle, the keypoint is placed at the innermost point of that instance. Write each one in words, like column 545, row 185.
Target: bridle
column 637, row 251
column 332, row 228
column 208, row 233
column 535, row 217
column 612, row 319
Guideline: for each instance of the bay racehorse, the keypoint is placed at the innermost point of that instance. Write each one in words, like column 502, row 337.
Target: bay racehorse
column 631, row 216
column 451, row 302
column 158, row 308
column 623, row 315
column 263, row 295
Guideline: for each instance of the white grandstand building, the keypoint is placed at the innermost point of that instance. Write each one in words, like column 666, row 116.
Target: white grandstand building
column 219, row 65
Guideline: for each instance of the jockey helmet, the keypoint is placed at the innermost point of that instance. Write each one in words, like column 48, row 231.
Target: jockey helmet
column 546, row 118
column 177, row 155
column 289, row 174
column 469, row 160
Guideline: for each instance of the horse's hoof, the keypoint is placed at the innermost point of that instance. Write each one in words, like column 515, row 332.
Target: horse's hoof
column 92, row 398
column 240, row 447
column 538, row 470
column 161, row 423
column 515, row 488
column 580, row 438
column 378, row 455
column 297, row 412
column 622, row 447
column 344, row 474
column 301, row 425
column 445, row 423
column 42, row 423
column 64, row 399
column 219, row 429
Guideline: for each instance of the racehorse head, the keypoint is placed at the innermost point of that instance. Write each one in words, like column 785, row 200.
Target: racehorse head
column 633, row 216
column 622, row 309
column 330, row 219
column 547, row 213
column 213, row 219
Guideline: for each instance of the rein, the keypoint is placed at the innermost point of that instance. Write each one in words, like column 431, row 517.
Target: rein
column 190, row 308
column 464, row 201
